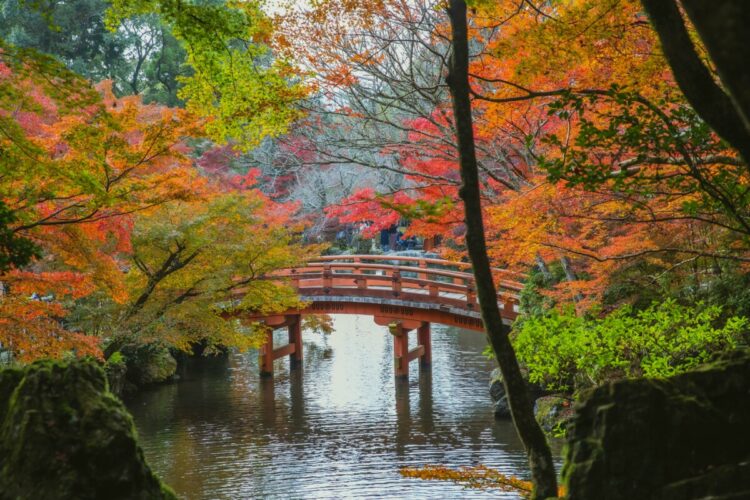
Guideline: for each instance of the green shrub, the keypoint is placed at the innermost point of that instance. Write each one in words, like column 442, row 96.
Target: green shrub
column 116, row 358
column 567, row 352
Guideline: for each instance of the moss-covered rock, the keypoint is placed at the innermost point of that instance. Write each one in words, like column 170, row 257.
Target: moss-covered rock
column 150, row 364
column 497, row 389
column 553, row 413
column 64, row 436
column 678, row 438
column 9, row 379
column 115, row 368
column 497, row 393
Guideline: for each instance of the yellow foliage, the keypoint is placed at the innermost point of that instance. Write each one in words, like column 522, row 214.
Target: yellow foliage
column 477, row 476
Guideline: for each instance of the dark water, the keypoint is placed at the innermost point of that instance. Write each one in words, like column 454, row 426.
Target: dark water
column 340, row 427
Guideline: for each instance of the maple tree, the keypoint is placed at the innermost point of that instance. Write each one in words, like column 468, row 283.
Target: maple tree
column 372, row 111
column 626, row 175
column 82, row 186
column 71, row 178
column 600, row 165
column 521, row 405
column 98, row 188
column 194, row 262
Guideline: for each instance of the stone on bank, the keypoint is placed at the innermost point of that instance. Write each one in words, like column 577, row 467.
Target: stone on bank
column 684, row 437
column 63, row 435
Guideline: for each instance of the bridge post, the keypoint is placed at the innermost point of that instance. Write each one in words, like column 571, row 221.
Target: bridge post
column 424, row 339
column 396, row 281
column 400, row 350
column 508, row 306
column 422, row 265
column 265, row 356
column 327, row 278
column 295, row 338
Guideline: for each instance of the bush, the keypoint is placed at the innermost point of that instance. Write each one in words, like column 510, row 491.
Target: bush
column 567, row 352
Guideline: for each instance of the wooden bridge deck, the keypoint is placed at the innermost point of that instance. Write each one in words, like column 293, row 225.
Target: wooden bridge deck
column 350, row 282
column 404, row 293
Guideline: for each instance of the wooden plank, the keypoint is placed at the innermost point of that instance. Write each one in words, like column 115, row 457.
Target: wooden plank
column 377, row 309
column 339, row 266
column 375, row 280
column 282, row 351
column 440, row 262
column 422, row 265
column 415, row 353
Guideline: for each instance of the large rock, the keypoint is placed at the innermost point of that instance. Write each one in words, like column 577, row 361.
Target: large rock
column 553, row 413
column 502, row 408
column 64, row 436
column 497, row 393
column 497, row 389
column 149, row 364
column 680, row 438
column 115, row 369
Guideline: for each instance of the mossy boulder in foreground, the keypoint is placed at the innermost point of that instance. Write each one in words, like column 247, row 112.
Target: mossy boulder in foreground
column 679, row 438
column 63, row 435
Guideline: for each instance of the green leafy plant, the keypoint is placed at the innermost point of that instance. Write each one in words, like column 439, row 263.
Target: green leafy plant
column 567, row 352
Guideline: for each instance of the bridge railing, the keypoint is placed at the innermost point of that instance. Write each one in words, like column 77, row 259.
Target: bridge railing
column 401, row 277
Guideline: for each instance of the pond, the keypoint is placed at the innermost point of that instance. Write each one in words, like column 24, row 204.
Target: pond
column 339, row 427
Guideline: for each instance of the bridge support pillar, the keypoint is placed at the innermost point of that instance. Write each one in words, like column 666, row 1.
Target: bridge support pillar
column 424, row 339
column 267, row 354
column 295, row 338
column 400, row 350
column 402, row 356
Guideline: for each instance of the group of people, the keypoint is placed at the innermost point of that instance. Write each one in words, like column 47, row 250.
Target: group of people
column 393, row 239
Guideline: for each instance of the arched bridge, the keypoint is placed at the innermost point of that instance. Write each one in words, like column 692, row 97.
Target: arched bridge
column 403, row 293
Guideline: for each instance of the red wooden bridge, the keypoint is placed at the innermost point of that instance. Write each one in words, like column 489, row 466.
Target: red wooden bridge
column 403, row 293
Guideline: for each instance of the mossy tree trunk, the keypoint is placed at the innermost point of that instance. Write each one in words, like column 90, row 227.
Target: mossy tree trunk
column 538, row 451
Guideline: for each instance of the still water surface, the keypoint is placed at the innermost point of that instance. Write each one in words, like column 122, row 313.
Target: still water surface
column 340, row 427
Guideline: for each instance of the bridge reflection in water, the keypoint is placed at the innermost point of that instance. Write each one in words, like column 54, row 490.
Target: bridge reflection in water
column 405, row 294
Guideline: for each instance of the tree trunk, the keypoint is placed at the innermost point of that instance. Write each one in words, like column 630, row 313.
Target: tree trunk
column 537, row 449
column 722, row 112
column 542, row 266
column 724, row 28
column 570, row 275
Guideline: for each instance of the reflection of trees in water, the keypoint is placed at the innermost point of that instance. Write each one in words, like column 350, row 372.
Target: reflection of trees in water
column 314, row 353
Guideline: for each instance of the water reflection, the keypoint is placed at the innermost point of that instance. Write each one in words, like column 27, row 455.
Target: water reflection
column 339, row 427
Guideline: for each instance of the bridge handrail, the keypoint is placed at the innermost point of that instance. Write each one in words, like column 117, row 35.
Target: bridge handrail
column 367, row 278
column 311, row 271
column 405, row 258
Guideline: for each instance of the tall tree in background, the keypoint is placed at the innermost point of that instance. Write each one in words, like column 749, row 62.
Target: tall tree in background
column 141, row 56
column 521, row 405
